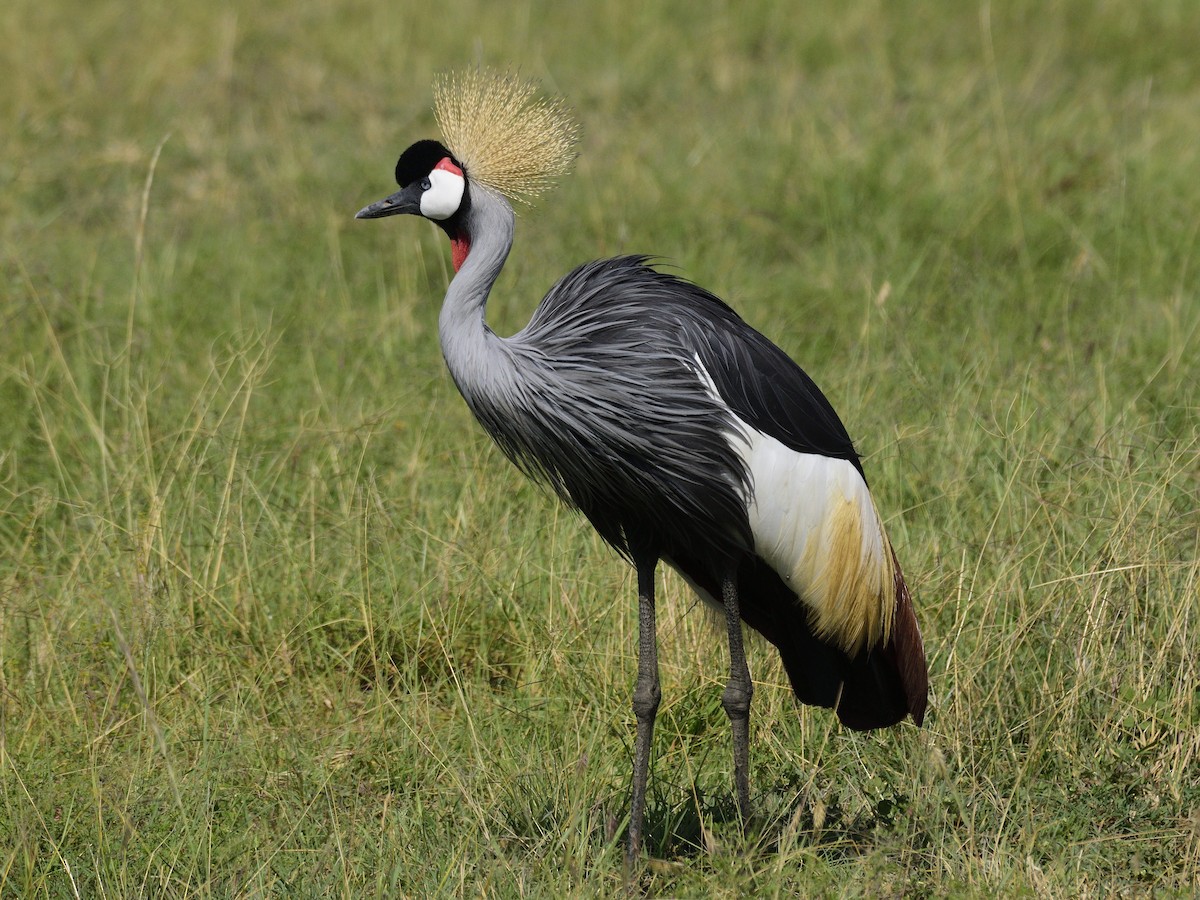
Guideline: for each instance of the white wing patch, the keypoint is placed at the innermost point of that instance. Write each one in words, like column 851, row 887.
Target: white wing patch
column 815, row 524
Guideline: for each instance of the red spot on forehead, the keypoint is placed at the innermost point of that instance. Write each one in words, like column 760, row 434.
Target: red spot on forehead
column 447, row 165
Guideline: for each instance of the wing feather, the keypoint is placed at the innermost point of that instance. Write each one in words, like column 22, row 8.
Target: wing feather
column 781, row 401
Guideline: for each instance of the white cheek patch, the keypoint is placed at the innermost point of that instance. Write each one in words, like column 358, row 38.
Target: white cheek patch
column 445, row 194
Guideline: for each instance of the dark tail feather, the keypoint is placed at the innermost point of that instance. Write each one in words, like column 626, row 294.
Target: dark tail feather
column 874, row 689
column 908, row 650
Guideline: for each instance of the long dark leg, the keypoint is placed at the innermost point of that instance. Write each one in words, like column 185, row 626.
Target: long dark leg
column 736, row 698
column 645, row 700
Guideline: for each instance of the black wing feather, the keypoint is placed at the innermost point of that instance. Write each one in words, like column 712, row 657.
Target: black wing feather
column 770, row 392
column 760, row 382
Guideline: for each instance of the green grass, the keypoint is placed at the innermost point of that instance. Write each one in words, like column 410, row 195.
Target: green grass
column 276, row 620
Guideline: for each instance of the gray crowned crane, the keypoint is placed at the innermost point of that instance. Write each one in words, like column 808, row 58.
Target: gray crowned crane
column 679, row 431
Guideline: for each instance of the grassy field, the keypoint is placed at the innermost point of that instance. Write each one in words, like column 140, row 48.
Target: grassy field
column 277, row 620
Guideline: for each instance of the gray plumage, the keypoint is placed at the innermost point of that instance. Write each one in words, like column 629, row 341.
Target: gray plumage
column 651, row 406
column 599, row 396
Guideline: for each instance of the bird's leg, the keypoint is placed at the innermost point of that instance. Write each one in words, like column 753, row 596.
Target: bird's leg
column 645, row 701
column 736, row 698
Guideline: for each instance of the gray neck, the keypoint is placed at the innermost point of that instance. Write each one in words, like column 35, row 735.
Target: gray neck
column 468, row 345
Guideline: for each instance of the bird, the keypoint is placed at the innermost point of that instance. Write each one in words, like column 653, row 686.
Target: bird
column 679, row 431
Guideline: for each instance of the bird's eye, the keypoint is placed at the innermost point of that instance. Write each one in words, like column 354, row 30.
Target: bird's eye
column 426, row 184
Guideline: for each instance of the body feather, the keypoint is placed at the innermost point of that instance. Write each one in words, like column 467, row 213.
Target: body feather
column 782, row 495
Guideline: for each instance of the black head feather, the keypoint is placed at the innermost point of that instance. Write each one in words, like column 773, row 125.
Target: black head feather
column 418, row 161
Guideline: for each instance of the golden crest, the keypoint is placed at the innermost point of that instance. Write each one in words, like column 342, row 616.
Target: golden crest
column 506, row 138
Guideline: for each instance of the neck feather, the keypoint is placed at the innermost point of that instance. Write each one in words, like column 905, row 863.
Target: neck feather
column 468, row 345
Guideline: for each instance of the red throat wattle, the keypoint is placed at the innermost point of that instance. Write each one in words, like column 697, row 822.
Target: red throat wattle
column 460, row 246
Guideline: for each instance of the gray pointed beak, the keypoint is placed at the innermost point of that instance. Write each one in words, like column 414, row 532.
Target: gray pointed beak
column 403, row 201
